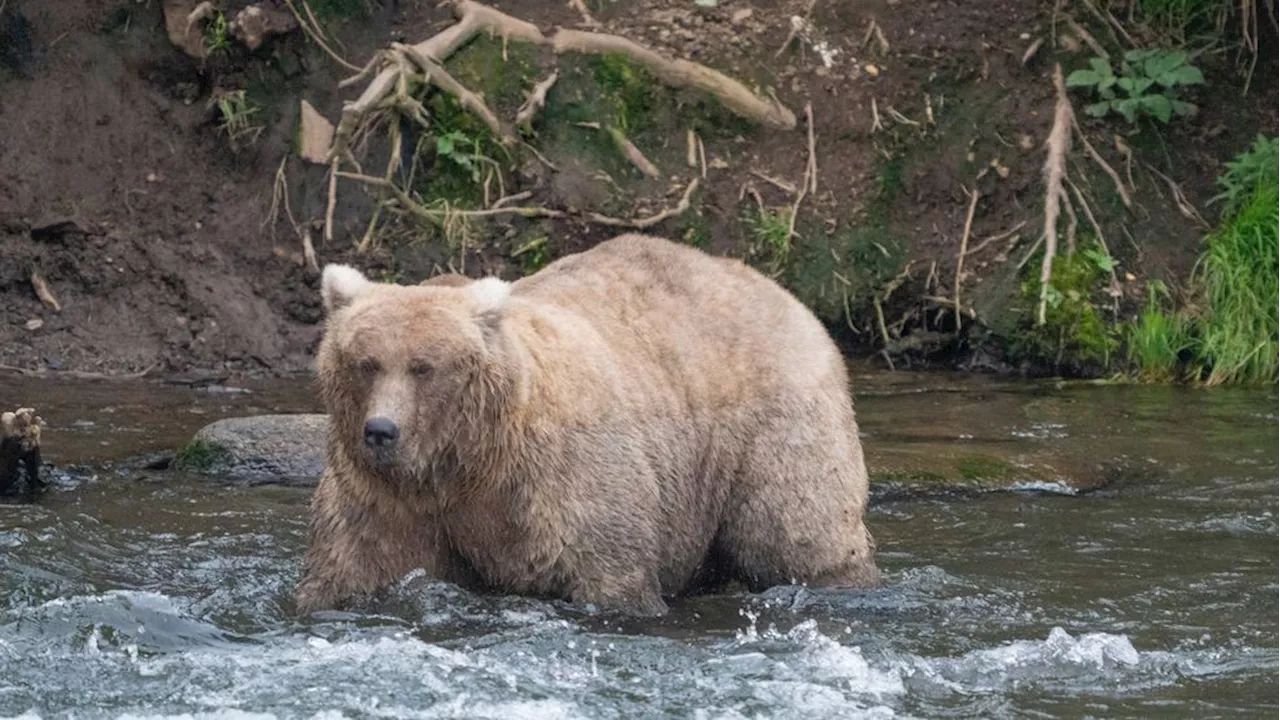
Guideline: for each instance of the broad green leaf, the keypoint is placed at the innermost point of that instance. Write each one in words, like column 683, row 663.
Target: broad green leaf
column 444, row 145
column 1128, row 108
column 1141, row 84
column 1098, row 109
column 1107, row 82
column 1126, row 84
column 1185, row 75
column 1107, row 93
column 1100, row 66
column 1158, row 105
column 1081, row 78
column 1138, row 55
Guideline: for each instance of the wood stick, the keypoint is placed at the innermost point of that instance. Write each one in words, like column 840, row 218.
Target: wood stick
column 964, row 244
column 1054, row 170
column 650, row 221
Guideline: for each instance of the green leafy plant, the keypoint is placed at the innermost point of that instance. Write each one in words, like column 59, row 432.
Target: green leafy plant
column 533, row 255
column 450, row 146
column 1148, row 79
column 217, row 34
column 1256, row 167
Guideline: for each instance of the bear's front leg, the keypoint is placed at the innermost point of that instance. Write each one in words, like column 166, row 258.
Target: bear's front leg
column 362, row 539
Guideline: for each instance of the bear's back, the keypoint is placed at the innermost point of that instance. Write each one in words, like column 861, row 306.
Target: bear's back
column 691, row 312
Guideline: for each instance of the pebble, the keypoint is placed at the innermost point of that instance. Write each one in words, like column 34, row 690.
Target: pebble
column 872, row 70
column 35, row 324
column 741, row 15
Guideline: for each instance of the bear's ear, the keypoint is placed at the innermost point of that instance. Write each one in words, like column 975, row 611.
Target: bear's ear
column 340, row 285
column 488, row 296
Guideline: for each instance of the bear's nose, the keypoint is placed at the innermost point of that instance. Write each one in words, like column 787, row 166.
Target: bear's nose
column 380, row 432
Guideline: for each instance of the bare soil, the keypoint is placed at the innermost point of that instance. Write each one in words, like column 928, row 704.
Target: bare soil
column 155, row 234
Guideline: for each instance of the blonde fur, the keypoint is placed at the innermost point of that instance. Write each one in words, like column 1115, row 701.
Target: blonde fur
column 634, row 422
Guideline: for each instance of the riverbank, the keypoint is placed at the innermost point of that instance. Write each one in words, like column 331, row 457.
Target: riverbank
column 154, row 206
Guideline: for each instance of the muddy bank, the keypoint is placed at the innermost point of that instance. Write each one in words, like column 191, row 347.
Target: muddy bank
column 140, row 184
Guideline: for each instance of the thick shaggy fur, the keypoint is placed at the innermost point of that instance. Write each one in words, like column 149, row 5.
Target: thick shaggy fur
column 628, row 424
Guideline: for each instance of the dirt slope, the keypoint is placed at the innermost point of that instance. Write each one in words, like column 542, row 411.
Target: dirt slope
column 119, row 189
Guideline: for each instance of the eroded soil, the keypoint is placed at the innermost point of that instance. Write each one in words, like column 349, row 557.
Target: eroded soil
column 156, row 233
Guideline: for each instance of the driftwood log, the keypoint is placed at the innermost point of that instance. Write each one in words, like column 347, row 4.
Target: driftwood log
column 20, row 452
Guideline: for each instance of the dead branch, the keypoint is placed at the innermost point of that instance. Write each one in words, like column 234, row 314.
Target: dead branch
column 1179, row 198
column 537, row 99
column 1106, row 167
column 1097, row 229
column 582, row 10
column 650, row 221
column 810, row 164
column 964, row 245
column 1032, row 49
column 43, row 292
column 782, row 185
column 813, row 156
column 702, row 158
column 333, row 200
column 995, row 238
column 1088, row 39
column 680, row 73
column 441, row 78
column 1055, row 166
column 691, row 148
column 632, row 153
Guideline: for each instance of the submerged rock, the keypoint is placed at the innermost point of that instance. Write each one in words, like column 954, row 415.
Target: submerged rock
column 285, row 449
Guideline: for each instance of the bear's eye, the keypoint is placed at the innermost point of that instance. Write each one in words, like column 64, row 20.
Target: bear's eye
column 421, row 368
column 368, row 366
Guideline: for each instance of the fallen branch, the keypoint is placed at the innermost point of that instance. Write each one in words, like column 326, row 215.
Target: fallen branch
column 964, row 245
column 782, row 185
column 810, row 164
column 650, row 221
column 536, row 101
column 1054, row 171
column 1097, row 229
column 581, row 7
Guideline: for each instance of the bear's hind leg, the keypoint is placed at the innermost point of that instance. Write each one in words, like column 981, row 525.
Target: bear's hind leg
column 795, row 514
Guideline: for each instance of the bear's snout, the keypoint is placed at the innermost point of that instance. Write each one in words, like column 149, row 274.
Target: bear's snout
column 380, row 433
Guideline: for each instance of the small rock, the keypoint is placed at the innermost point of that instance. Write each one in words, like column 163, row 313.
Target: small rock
column 35, row 324
column 871, row 70
column 316, row 135
column 740, row 16
column 152, row 177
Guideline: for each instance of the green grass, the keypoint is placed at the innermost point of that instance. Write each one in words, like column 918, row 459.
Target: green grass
column 1238, row 276
column 770, row 238
column 1157, row 340
column 1075, row 332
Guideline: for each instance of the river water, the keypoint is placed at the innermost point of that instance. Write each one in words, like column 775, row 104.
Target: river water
column 130, row 593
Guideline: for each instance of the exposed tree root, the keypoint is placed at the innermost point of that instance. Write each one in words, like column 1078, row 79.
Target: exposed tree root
column 680, row 74
column 1055, row 168
column 964, row 246
column 537, row 100
column 438, row 76
column 633, row 153
column 650, row 221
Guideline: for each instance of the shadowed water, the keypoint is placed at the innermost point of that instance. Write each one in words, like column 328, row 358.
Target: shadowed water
column 142, row 594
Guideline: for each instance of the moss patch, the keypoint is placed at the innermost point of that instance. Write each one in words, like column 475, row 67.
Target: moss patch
column 200, row 456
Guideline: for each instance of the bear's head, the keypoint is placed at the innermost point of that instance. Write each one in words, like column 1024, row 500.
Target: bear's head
column 404, row 369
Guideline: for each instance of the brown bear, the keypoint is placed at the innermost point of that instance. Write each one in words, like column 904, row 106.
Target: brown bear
column 630, row 423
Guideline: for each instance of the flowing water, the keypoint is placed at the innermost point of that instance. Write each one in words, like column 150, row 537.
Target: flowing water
column 133, row 593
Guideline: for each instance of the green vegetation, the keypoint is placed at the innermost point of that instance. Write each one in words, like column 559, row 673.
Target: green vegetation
column 1178, row 21
column 533, row 255
column 770, row 238
column 1237, row 275
column 1158, row 339
column 236, row 112
column 200, row 456
column 338, row 9
column 1075, row 332
column 1149, row 80
column 1229, row 333
column 217, row 34
column 1249, row 172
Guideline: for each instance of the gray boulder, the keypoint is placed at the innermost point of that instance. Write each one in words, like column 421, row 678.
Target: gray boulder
column 287, row 449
